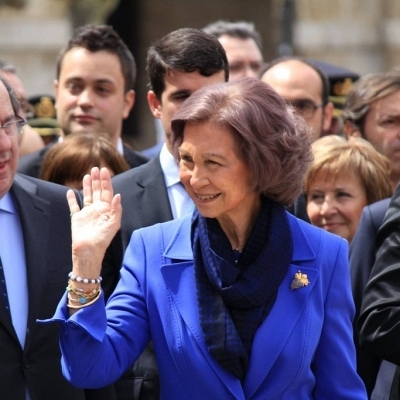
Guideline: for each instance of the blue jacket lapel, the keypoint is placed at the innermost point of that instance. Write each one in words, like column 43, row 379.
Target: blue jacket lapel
column 268, row 341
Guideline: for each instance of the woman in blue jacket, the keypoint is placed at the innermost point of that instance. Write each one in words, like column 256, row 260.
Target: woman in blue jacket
column 241, row 299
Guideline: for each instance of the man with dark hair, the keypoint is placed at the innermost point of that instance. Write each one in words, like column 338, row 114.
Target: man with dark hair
column 178, row 64
column 242, row 44
column 96, row 74
column 35, row 258
column 305, row 86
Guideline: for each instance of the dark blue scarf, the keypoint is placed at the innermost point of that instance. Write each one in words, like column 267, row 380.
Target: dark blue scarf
column 235, row 298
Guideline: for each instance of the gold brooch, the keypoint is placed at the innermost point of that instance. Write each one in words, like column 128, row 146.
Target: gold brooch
column 300, row 280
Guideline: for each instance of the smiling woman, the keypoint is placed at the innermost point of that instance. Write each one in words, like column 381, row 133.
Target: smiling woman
column 344, row 177
column 236, row 297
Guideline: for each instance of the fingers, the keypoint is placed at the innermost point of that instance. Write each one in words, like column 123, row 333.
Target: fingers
column 87, row 190
column 72, row 203
column 116, row 207
column 97, row 186
column 107, row 192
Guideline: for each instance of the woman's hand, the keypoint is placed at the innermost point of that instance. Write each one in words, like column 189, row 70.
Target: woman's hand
column 95, row 225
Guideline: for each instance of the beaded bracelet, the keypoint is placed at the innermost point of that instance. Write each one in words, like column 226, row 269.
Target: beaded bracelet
column 83, row 295
column 86, row 304
column 84, row 280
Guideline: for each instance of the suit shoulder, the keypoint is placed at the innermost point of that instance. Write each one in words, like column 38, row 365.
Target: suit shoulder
column 124, row 181
column 169, row 228
column 134, row 158
column 305, row 234
column 30, row 164
column 41, row 187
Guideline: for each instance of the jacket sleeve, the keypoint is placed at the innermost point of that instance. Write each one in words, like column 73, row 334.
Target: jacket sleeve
column 379, row 322
column 99, row 343
column 362, row 258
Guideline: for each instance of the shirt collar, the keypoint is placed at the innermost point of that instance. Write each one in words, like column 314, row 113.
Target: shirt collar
column 7, row 204
column 169, row 167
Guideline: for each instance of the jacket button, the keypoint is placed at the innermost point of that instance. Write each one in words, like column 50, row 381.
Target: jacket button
column 25, row 363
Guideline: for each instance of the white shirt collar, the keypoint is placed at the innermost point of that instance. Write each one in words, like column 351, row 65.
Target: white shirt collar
column 169, row 167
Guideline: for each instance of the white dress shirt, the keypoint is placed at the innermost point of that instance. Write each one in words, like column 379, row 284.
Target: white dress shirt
column 181, row 203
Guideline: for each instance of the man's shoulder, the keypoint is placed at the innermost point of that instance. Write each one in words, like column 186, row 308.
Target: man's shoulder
column 134, row 158
column 138, row 175
column 30, row 164
column 379, row 207
column 39, row 187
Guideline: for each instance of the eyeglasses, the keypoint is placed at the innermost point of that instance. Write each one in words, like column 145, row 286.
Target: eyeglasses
column 304, row 108
column 14, row 127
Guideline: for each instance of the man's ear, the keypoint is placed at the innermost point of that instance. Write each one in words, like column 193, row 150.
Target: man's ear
column 55, row 85
column 154, row 104
column 328, row 115
column 351, row 130
column 129, row 102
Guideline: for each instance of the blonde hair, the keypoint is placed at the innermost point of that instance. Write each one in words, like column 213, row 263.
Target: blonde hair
column 335, row 156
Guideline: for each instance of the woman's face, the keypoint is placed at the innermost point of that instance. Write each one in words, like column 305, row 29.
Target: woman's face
column 335, row 204
column 215, row 178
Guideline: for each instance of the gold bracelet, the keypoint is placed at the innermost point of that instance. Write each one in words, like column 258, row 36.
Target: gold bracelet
column 86, row 304
column 83, row 295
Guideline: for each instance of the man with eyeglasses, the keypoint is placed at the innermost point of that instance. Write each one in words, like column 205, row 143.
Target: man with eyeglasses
column 306, row 87
column 29, row 140
column 35, row 259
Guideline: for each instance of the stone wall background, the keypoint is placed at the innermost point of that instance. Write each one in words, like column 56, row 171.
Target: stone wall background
column 363, row 35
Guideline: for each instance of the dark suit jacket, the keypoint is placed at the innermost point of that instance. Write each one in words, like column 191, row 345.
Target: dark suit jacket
column 362, row 258
column 31, row 164
column 46, row 227
column 378, row 324
column 45, row 222
column 299, row 208
column 145, row 202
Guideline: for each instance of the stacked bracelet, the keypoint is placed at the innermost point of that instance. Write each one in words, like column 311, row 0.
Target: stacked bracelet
column 83, row 296
column 84, row 280
column 84, row 305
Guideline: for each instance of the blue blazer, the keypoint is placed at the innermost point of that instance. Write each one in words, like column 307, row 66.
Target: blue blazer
column 304, row 349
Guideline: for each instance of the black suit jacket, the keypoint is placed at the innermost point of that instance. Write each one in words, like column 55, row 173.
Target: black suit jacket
column 31, row 164
column 145, row 202
column 379, row 321
column 299, row 208
column 46, row 227
column 362, row 258
column 45, row 222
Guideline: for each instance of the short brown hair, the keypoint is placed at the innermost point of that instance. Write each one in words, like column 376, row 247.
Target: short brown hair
column 335, row 156
column 71, row 159
column 269, row 137
column 96, row 38
column 366, row 91
column 185, row 50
